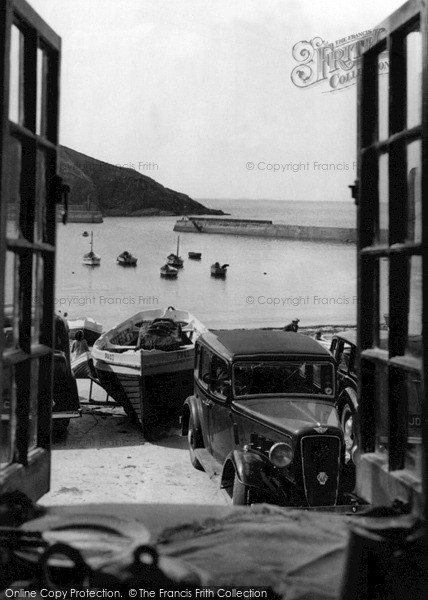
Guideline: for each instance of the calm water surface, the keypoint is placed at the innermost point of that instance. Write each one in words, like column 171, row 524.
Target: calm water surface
column 268, row 282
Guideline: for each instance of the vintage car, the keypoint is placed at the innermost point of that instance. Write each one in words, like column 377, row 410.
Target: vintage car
column 344, row 350
column 264, row 408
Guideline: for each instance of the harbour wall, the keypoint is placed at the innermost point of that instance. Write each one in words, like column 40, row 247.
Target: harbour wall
column 266, row 229
column 82, row 216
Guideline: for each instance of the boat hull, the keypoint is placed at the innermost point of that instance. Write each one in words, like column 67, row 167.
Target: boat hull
column 130, row 261
column 151, row 385
column 152, row 400
column 218, row 273
column 92, row 262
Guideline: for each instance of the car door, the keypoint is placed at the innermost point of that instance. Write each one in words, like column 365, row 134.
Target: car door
column 221, row 424
column 203, row 369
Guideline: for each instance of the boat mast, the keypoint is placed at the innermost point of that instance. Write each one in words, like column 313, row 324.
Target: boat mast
column 178, row 244
column 92, row 239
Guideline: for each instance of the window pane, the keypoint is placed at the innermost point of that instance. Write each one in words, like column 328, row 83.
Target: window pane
column 32, row 430
column 40, row 211
column 13, row 187
column 36, row 298
column 383, row 198
column 413, row 456
column 414, row 78
column 42, row 73
column 381, row 395
column 16, row 89
column 414, row 339
column 383, row 314
column 414, row 199
column 7, row 417
column 383, row 95
column 11, row 309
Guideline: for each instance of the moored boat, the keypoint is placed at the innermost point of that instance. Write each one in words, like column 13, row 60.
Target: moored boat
column 195, row 255
column 218, row 270
column 168, row 272
column 85, row 234
column 175, row 260
column 146, row 363
column 126, row 259
column 91, row 329
column 90, row 258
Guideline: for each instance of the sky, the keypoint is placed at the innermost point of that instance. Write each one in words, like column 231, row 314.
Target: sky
column 198, row 94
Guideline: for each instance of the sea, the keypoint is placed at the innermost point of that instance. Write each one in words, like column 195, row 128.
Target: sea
column 269, row 282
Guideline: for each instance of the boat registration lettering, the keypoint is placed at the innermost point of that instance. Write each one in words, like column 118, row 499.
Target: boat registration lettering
column 109, row 356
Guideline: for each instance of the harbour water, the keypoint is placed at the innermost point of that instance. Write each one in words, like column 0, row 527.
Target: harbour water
column 269, row 281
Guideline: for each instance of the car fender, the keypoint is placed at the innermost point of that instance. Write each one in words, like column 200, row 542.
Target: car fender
column 190, row 407
column 351, row 394
column 253, row 470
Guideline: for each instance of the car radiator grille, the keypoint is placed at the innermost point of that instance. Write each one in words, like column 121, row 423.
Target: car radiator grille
column 321, row 469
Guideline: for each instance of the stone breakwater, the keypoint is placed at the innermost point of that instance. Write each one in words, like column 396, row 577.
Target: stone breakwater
column 266, row 229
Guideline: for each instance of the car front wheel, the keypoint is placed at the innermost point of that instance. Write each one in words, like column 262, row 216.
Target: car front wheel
column 240, row 493
column 193, row 439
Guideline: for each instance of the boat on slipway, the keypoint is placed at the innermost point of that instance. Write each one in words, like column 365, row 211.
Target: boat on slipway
column 91, row 329
column 146, row 363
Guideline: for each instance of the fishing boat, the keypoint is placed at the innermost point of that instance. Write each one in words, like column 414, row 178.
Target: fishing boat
column 195, row 255
column 82, row 366
column 175, row 260
column 126, row 259
column 90, row 258
column 218, row 271
column 91, row 328
column 146, row 363
column 85, row 234
column 168, row 272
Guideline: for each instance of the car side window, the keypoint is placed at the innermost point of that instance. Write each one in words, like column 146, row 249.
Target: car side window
column 333, row 346
column 344, row 356
column 204, row 365
column 220, row 371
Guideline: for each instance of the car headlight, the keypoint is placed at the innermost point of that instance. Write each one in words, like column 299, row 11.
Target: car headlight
column 281, row 454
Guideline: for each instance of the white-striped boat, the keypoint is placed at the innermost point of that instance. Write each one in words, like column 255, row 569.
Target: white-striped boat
column 150, row 383
column 91, row 329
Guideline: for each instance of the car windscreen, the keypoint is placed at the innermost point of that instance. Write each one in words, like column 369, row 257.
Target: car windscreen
column 285, row 378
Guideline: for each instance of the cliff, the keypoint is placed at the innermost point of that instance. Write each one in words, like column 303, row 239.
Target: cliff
column 101, row 189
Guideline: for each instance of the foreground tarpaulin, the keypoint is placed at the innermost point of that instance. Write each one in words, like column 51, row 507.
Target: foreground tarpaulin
column 298, row 554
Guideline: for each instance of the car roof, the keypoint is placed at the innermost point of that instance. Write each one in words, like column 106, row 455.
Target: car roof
column 349, row 335
column 248, row 342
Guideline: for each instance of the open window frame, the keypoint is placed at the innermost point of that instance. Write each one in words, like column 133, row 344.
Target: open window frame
column 29, row 95
column 392, row 262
